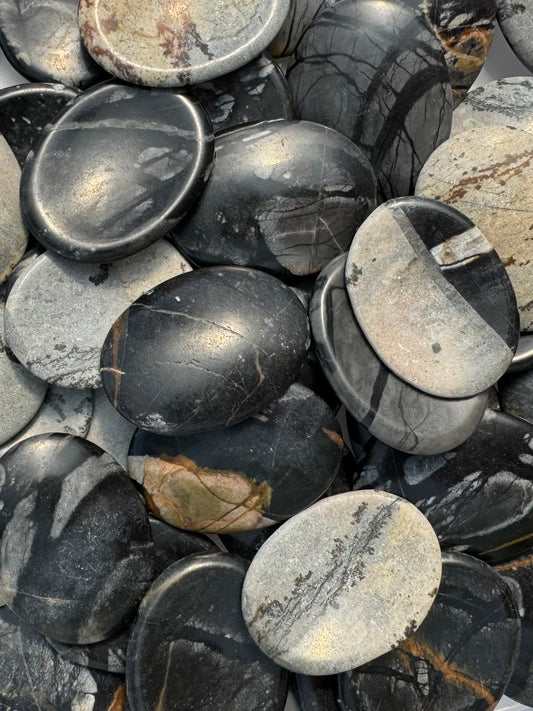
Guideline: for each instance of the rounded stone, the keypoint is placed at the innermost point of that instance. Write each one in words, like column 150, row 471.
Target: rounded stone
column 391, row 409
column 491, row 184
column 116, row 171
column 210, row 348
column 516, row 22
column 284, row 196
column 342, row 583
column 76, row 555
column 432, row 297
column 58, row 333
column 13, row 234
column 190, row 648
column 301, row 14
column 181, row 44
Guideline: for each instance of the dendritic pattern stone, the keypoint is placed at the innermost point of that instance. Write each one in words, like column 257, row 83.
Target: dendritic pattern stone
column 523, row 358
column 516, row 22
column 13, row 234
column 301, row 14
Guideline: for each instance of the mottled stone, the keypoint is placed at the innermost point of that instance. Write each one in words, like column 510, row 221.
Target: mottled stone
column 478, row 497
column 68, row 507
column 190, row 648
column 285, row 196
column 109, row 430
column 516, row 22
column 391, row 409
column 301, row 14
column 183, row 43
column 13, row 234
column 317, row 693
column 523, row 358
column 131, row 160
column 460, row 658
column 210, row 348
column 58, row 333
column 376, row 73
column 491, row 184
column 342, row 582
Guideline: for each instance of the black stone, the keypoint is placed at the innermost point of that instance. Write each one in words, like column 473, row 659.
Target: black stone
column 247, row 543
column 204, row 350
column 172, row 544
column 190, row 648
column 316, row 693
column 117, row 170
column 523, row 358
column 460, row 658
column 108, row 655
column 284, row 196
column 516, row 394
column 301, row 14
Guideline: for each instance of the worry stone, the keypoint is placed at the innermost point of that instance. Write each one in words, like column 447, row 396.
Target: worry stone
column 13, row 234
column 516, row 22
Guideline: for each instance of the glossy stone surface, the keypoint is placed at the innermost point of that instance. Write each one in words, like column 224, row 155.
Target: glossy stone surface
column 316, row 693
column 42, row 41
column 132, row 161
column 247, row 543
column 270, row 466
column 523, row 358
column 376, row 73
column 477, row 497
column 13, row 234
column 109, row 430
column 26, row 109
column 432, row 297
column 342, row 582
column 516, row 22
column 181, row 44
column 108, row 655
column 58, row 333
column 190, row 648
column 461, row 657
column 301, row 14
column 516, row 394
column 392, row 410
column 492, row 186
column 283, row 196
column 210, row 348
column 68, row 506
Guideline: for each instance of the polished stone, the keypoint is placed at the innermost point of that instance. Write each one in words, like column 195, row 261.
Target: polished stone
column 391, row 409
column 284, row 196
column 108, row 655
column 190, row 648
column 116, row 171
column 342, row 583
column 109, row 430
column 460, row 658
column 13, row 234
column 247, row 543
column 183, row 43
column 301, row 14
column 58, row 333
column 491, row 184
column 376, row 73
column 516, row 394
column 432, row 297
column 516, row 22
column 208, row 348
column 523, row 358
column 68, row 507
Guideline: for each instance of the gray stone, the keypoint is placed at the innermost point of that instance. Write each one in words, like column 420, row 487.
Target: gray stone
column 13, row 234
column 516, row 22
column 109, row 430
column 301, row 14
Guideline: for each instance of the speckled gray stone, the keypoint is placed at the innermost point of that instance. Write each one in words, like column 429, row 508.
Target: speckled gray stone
column 342, row 583
column 13, row 234
column 109, row 430
column 58, row 333
column 516, row 22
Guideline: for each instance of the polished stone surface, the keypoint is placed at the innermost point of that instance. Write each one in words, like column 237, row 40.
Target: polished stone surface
column 516, row 394
column 183, row 43
column 131, row 161
column 284, row 196
column 190, row 648
column 108, row 655
column 491, row 184
column 391, row 409
column 301, row 14
column 432, row 297
column 460, row 658
column 342, row 582
column 58, row 333
column 68, row 507
column 516, row 22
column 247, row 543
column 523, row 358
column 209, row 349
column 109, row 430
column 13, row 234
column 376, row 72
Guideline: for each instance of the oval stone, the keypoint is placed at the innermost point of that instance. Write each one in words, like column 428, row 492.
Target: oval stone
column 210, row 348
column 117, row 170
column 342, row 582
column 13, row 234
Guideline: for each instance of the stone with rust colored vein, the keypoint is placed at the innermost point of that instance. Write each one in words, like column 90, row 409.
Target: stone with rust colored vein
column 342, row 582
column 460, row 658
column 182, row 43
column 190, row 648
column 516, row 22
column 13, row 233
column 491, row 184
column 301, row 14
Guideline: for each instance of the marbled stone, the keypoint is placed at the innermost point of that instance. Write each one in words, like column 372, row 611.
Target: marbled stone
column 391, row 409
column 210, row 348
column 516, row 22
column 342, row 583
column 42, row 41
column 503, row 102
column 58, row 333
column 68, row 507
column 317, row 693
column 301, row 14
column 13, row 234
column 284, row 196
column 491, row 184
column 460, row 658
column 109, row 430
column 183, row 43
column 266, row 468
column 478, row 497
column 116, row 171
column 376, row 72
column 190, row 648
column 523, row 358
column 432, row 297
column 26, row 109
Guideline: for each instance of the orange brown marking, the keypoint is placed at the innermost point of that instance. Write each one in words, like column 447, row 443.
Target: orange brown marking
column 508, row 543
column 119, row 699
column 515, row 564
column 334, row 437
